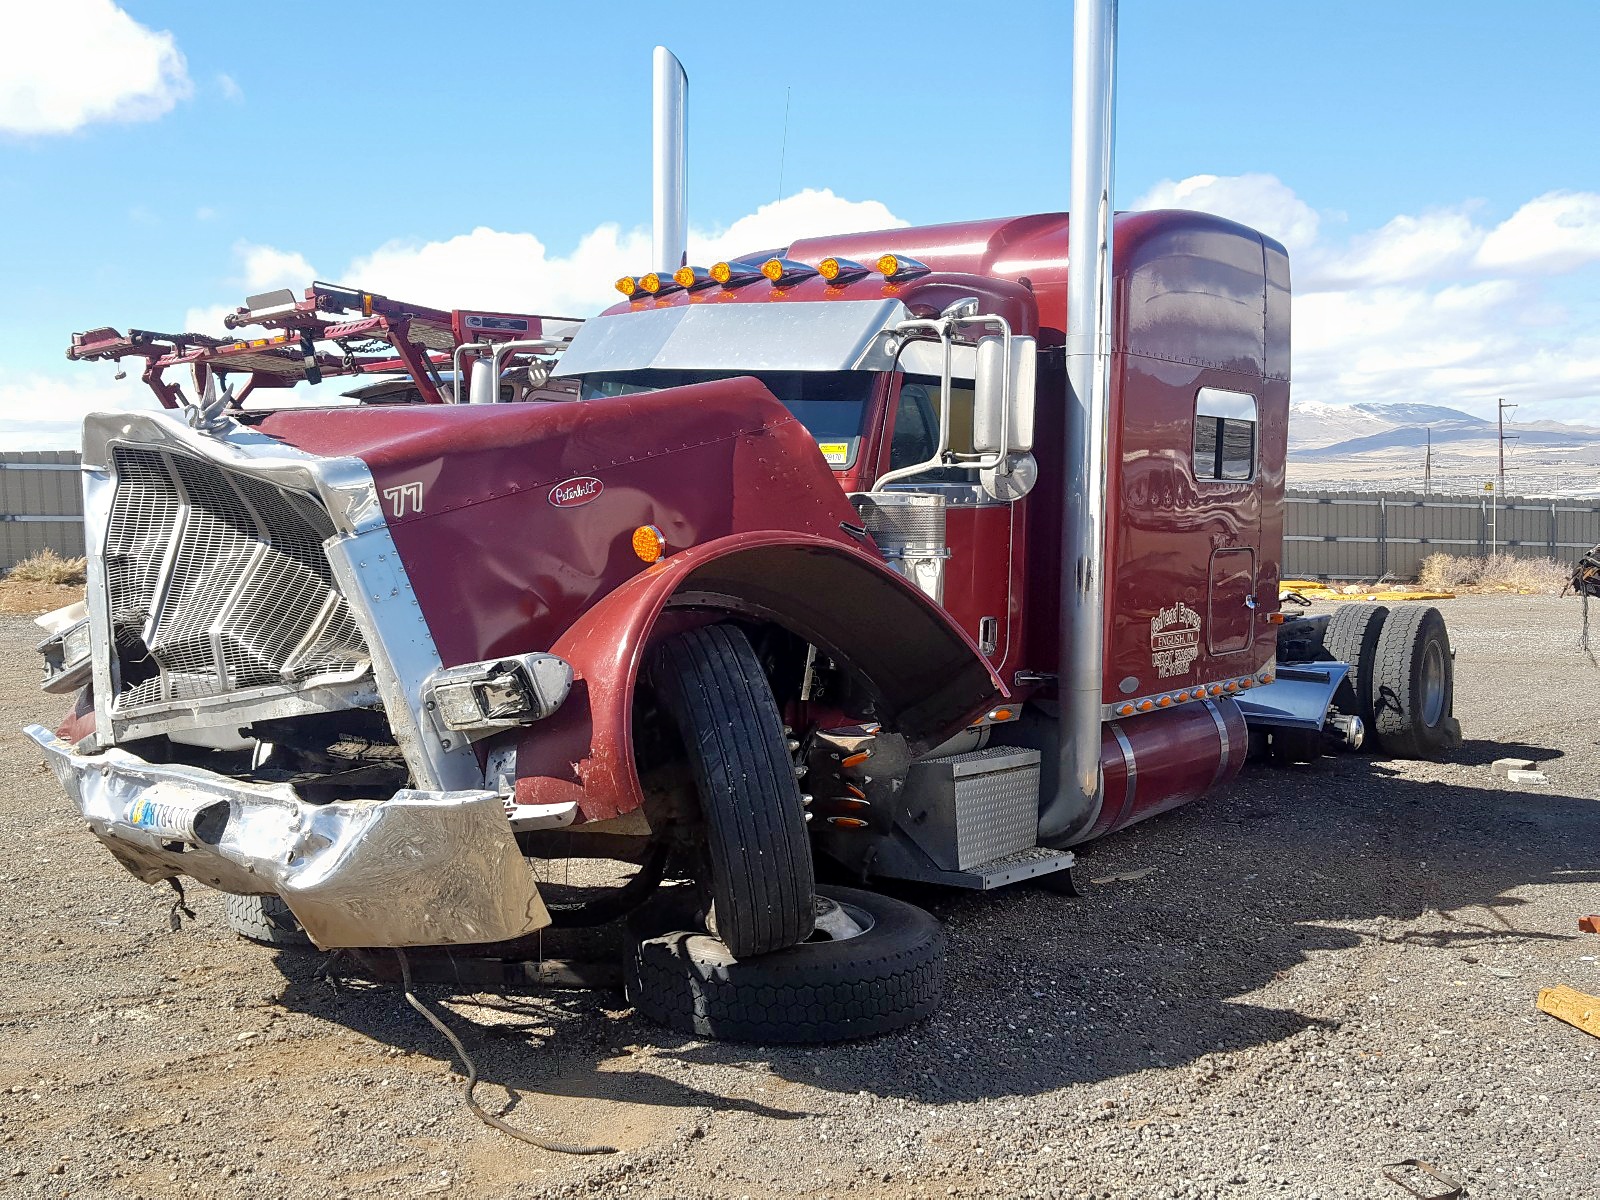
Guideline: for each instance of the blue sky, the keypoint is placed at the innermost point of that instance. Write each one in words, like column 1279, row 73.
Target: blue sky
column 1434, row 168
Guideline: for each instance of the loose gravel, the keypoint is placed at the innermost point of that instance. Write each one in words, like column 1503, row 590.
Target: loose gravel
column 1272, row 993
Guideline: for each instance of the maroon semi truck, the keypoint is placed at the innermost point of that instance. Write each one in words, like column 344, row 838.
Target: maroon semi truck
column 767, row 573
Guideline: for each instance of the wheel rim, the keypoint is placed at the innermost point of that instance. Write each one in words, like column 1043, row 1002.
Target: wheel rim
column 1433, row 689
column 836, row 922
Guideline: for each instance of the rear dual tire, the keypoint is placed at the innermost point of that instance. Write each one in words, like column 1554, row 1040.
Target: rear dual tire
column 1402, row 676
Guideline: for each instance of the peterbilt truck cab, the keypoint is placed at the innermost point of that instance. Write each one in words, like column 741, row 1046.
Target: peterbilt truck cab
column 765, row 570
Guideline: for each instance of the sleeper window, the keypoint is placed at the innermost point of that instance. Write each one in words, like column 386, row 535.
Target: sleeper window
column 1224, row 435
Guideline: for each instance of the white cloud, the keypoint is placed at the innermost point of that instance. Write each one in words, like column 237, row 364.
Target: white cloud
column 68, row 63
column 42, row 412
column 490, row 268
column 1262, row 202
column 1558, row 231
column 268, row 267
column 229, row 87
column 1407, row 248
column 1431, row 308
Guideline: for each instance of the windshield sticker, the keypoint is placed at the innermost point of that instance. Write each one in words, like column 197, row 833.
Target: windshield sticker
column 1174, row 640
column 836, row 453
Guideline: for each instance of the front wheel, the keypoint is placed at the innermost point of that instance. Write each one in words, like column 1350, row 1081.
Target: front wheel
column 711, row 684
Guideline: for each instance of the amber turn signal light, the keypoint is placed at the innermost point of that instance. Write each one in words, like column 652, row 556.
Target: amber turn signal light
column 649, row 544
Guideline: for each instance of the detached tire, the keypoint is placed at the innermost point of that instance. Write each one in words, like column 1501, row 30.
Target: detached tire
column 1352, row 637
column 888, row 977
column 265, row 919
column 1413, row 691
column 710, row 682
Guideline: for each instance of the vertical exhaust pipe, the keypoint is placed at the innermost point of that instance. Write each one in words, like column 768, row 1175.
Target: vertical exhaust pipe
column 671, row 203
column 1088, row 359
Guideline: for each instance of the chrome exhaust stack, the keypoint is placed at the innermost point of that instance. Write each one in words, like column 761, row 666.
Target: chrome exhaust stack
column 670, row 208
column 1088, row 361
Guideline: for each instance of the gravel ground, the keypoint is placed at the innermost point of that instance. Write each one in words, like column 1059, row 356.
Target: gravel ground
column 1325, row 970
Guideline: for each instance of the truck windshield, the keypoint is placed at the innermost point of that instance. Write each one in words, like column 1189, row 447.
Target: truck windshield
column 830, row 404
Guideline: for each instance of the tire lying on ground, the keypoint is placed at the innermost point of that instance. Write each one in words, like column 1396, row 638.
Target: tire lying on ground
column 265, row 919
column 710, row 682
column 1352, row 637
column 824, row 990
column 1413, row 687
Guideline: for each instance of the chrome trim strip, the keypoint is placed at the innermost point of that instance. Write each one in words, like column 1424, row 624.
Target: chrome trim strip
column 1132, row 782
column 1222, row 734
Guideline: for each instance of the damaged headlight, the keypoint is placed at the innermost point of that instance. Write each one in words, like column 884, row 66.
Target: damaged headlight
column 479, row 698
column 68, row 650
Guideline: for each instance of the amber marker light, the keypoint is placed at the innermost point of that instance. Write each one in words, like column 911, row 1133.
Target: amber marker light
column 896, row 266
column 847, row 822
column 1124, row 710
column 1164, row 702
column 628, row 285
column 773, row 269
column 693, row 278
column 840, row 270
column 650, row 283
column 855, row 760
column 649, row 544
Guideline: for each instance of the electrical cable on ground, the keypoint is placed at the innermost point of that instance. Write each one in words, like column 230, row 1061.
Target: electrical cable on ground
column 478, row 1110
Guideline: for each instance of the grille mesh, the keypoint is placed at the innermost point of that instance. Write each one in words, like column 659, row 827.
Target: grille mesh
column 217, row 583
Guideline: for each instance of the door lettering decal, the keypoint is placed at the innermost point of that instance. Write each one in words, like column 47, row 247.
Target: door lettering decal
column 1174, row 640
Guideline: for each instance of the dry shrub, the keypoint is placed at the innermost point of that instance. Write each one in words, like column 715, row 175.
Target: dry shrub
column 1497, row 573
column 48, row 567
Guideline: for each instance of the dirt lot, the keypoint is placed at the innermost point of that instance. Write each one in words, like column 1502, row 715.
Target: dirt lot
column 1325, row 970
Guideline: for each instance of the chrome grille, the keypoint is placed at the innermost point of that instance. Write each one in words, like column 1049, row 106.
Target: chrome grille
column 217, row 584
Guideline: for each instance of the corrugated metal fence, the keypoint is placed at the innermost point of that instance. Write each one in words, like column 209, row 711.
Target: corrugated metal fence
column 1327, row 535
column 41, row 504
column 1353, row 535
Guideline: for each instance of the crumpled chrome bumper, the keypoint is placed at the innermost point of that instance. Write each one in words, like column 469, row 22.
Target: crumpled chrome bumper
column 418, row 869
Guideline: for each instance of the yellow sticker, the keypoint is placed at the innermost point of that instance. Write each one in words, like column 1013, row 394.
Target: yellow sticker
column 836, row 453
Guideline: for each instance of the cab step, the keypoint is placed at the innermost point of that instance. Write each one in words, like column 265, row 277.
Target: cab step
column 971, row 820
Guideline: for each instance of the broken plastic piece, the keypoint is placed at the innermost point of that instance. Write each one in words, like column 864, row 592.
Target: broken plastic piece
column 1455, row 1190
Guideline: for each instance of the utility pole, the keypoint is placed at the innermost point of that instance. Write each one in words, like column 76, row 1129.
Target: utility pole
column 1427, row 466
column 1500, row 474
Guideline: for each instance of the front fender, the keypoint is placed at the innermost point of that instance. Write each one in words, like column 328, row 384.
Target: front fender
column 926, row 673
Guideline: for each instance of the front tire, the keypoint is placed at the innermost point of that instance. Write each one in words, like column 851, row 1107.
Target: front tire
column 265, row 919
column 710, row 682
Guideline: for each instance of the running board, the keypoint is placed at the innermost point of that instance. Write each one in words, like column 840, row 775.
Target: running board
column 899, row 857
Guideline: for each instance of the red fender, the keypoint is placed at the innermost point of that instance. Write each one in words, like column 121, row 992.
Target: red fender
column 929, row 676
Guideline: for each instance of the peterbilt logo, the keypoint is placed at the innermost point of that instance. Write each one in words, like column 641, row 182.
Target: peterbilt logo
column 404, row 496
column 572, row 492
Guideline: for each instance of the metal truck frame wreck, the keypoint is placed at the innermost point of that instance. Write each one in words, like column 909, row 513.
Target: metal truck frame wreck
column 874, row 548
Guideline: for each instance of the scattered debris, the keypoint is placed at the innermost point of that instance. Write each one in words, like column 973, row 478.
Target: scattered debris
column 1527, row 777
column 1453, row 1190
column 1572, row 1006
column 1513, row 764
column 1589, row 924
column 1124, row 876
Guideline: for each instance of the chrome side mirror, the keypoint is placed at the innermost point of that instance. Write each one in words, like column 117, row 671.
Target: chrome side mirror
column 989, row 400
